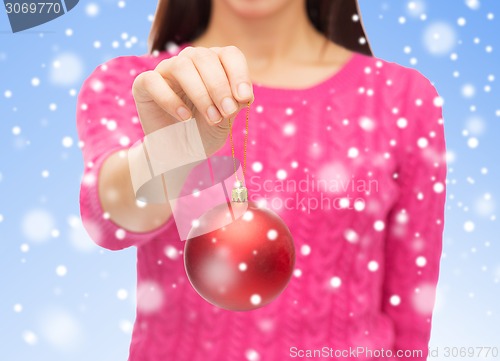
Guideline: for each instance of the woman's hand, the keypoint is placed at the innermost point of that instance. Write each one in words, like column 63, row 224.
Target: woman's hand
column 211, row 84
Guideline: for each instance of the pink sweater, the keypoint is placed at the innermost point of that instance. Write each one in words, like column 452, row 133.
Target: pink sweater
column 354, row 165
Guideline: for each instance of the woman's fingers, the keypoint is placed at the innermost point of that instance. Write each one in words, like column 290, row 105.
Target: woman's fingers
column 215, row 79
column 210, row 84
column 182, row 75
column 236, row 68
column 150, row 86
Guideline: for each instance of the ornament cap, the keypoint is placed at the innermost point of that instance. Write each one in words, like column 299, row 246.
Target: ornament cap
column 239, row 193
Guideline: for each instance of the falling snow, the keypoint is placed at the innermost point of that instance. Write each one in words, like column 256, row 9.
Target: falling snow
column 37, row 225
column 335, row 282
column 92, row 9
column 439, row 38
column 61, row 271
column 67, row 69
column 255, row 299
column 395, row 300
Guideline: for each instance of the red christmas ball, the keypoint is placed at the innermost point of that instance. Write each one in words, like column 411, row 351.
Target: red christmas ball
column 243, row 265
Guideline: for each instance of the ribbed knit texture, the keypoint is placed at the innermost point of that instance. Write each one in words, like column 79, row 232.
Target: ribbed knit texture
column 369, row 140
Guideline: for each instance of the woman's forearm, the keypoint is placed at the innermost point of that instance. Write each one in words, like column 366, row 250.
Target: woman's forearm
column 118, row 200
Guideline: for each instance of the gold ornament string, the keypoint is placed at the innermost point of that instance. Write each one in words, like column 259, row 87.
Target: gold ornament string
column 245, row 142
column 240, row 193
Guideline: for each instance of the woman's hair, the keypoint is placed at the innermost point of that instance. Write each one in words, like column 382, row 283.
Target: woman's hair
column 181, row 21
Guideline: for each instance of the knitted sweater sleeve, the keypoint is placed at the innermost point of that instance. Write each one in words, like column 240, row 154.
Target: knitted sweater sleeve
column 415, row 224
column 107, row 122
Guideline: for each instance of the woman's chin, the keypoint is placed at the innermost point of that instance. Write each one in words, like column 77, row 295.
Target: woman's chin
column 255, row 9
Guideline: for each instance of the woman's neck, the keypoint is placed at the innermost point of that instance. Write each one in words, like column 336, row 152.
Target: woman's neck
column 287, row 36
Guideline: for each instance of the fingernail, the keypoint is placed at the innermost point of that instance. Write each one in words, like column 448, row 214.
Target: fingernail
column 244, row 90
column 229, row 106
column 213, row 114
column 183, row 113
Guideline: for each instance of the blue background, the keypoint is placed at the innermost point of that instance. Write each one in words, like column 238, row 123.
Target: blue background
column 62, row 298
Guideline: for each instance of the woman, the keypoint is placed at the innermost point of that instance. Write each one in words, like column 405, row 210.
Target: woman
column 367, row 131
